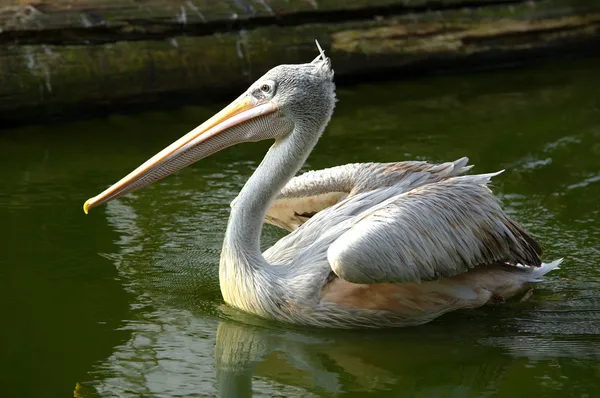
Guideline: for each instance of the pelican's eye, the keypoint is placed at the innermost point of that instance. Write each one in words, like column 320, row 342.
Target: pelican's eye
column 264, row 89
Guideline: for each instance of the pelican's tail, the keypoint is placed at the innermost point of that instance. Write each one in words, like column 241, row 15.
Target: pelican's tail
column 537, row 273
column 501, row 282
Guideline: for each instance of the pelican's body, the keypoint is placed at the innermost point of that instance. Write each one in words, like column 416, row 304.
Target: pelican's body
column 371, row 245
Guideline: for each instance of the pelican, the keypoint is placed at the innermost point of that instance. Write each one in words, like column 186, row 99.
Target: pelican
column 371, row 245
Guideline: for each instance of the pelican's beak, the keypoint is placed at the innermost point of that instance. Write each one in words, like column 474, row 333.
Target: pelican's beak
column 193, row 146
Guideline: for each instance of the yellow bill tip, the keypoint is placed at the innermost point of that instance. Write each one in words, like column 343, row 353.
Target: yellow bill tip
column 86, row 206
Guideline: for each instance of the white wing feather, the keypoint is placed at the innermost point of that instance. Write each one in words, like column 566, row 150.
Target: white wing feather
column 314, row 191
column 439, row 229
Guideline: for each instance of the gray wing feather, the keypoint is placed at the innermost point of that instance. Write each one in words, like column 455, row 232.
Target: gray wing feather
column 311, row 192
column 439, row 229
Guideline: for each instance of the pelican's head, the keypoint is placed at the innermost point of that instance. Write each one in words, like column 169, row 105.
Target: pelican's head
column 285, row 97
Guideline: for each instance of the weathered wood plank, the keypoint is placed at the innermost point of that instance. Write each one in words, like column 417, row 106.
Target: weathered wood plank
column 52, row 14
column 101, row 21
column 51, row 79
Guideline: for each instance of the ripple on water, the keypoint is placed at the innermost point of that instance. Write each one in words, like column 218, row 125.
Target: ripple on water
column 589, row 180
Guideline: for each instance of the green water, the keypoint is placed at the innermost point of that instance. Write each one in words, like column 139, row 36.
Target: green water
column 125, row 301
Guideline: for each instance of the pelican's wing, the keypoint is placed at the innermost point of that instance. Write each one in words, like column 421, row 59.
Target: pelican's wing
column 435, row 230
column 311, row 192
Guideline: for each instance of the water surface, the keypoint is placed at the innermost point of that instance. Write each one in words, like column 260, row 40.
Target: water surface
column 125, row 301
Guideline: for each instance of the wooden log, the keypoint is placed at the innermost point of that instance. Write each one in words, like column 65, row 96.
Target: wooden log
column 53, row 14
column 140, row 50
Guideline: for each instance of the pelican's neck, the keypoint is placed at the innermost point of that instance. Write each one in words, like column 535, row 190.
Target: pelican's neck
column 243, row 266
column 283, row 160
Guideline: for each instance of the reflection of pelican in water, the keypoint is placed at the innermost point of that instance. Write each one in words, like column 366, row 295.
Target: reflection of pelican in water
column 325, row 363
column 371, row 244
